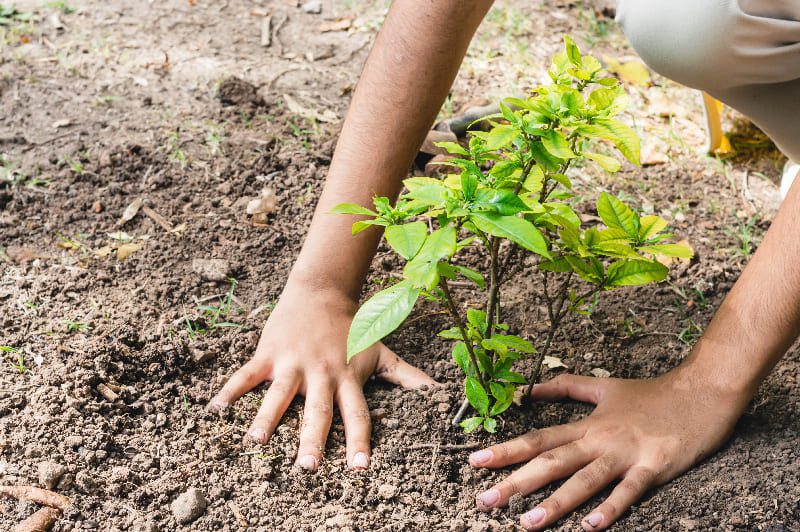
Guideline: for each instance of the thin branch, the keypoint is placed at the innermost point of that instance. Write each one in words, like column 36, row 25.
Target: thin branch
column 455, row 312
column 492, row 309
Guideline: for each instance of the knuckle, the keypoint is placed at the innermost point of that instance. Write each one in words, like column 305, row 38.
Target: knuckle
column 550, row 461
column 589, row 478
column 280, row 387
column 510, row 486
column 609, row 509
column 533, row 440
column 320, row 410
column 554, row 505
column 501, row 452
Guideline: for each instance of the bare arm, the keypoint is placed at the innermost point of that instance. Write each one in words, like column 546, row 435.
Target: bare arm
column 303, row 344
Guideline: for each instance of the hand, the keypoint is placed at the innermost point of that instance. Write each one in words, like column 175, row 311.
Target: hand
column 644, row 432
column 302, row 350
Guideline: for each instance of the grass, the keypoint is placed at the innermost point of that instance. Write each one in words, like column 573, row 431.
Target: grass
column 744, row 235
column 19, row 358
column 208, row 318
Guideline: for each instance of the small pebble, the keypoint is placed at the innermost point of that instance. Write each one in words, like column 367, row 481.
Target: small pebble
column 50, row 473
column 387, row 491
column 189, row 506
column 313, row 7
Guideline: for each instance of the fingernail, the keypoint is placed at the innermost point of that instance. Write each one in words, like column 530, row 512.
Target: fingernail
column 258, row 434
column 594, row 519
column 534, row 517
column 360, row 461
column 480, row 457
column 308, row 462
column 488, row 498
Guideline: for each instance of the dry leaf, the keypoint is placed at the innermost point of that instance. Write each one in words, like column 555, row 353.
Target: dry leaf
column 64, row 122
column 122, row 236
column 265, row 204
column 126, row 250
column 633, row 72
column 22, row 255
column 600, row 373
column 131, row 211
column 553, row 362
column 103, row 252
column 654, row 153
column 295, row 107
column 336, row 25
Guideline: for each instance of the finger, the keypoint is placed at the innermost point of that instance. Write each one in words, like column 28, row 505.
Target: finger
column 635, row 484
column 317, row 417
column 245, row 379
column 357, row 425
column 542, row 470
column 578, row 387
column 394, row 369
column 527, row 446
column 279, row 394
column 575, row 491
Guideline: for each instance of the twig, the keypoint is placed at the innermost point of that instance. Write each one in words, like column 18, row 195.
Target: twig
column 447, row 446
column 37, row 495
column 460, row 414
column 455, row 312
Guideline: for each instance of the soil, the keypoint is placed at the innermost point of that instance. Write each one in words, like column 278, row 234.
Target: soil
column 180, row 104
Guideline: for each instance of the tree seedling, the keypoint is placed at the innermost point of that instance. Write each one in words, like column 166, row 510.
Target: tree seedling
column 513, row 201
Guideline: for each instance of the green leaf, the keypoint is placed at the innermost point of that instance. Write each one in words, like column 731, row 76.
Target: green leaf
column 380, row 315
column 490, row 344
column 624, row 138
column 453, row 333
column 461, row 358
column 452, row 147
column 432, row 194
column 573, row 52
column 422, row 270
column 514, row 342
column 504, row 169
column 535, row 179
column 670, row 250
column 500, row 136
column 556, row 143
column 474, row 276
column 365, row 224
column 413, row 183
column 617, row 215
column 510, row 376
column 635, row 272
column 469, row 184
column 502, row 404
column 476, row 395
column 352, row 208
column 516, row 229
column 504, row 201
column 477, row 318
column 606, row 162
column 490, row 425
column 650, row 226
column 407, row 239
column 471, row 424
column 560, row 265
column 589, row 269
column 544, row 158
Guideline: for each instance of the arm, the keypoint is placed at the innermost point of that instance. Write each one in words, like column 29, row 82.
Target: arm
column 649, row 432
column 302, row 347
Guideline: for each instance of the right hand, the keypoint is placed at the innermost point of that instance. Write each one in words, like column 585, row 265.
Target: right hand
column 302, row 350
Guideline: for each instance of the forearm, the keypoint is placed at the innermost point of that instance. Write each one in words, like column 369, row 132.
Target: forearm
column 405, row 80
column 760, row 318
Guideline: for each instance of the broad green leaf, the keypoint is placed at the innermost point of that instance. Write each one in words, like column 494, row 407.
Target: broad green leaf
column 431, row 194
column 635, row 272
column 510, row 376
column 380, row 315
column 452, row 147
column 624, row 138
column 407, row 239
column 477, row 318
column 561, row 212
column 490, row 425
column 470, row 424
column 617, row 215
column 413, row 183
column 505, row 169
column 533, row 183
column 650, row 226
column 560, row 265
column 461, row 358
column 474, row 276
column 490, row 344
column 352, row 208
column 589, row 269
column 500, row 136
column 606, row 162
column 476, row 395
column 670, row 250
column 556, row 144
column 514, row 342
column 562, row 180
column 504, row 201
column 615, row 250
column 501, row 405
column 573, row 52
column 365, row 224
column 544, row 158
column 422, row 270
column 453, row 333
column 469, row 184
column 516, row 229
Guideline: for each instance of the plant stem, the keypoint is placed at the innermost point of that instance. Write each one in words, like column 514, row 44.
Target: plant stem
column 460, row 414
column 493, row 309
column 454, row 311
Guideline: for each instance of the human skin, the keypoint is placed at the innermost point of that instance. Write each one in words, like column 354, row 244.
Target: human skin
column 644, row 432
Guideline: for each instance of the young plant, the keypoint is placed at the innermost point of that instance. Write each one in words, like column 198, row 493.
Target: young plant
column 213, row 317
column 512, row 200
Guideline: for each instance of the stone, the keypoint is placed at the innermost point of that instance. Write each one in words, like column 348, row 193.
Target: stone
column 189, row 506
column 216, row 270
column 313, row 7
column 387, row 491
column 50, row 473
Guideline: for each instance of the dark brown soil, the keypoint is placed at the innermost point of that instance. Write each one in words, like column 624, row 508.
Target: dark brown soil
column 170, row 129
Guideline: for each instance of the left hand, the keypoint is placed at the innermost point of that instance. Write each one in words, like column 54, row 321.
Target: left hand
column 644, row 432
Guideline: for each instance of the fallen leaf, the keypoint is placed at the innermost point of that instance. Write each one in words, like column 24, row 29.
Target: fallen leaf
column 553, row 362
column 126, row 250
column 157, row 218
column 654, row 153
column 264, row 204
column 122, row 236
column 295, row 107
column 336, row 25
column 600, row 373
column 131, row 211
column 103, row 252
column 633, row 72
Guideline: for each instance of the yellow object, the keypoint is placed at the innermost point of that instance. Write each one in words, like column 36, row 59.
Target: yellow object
column 716, row 140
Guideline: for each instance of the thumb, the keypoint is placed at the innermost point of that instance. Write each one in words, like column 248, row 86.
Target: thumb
column 578, row 387
column 394, row 369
